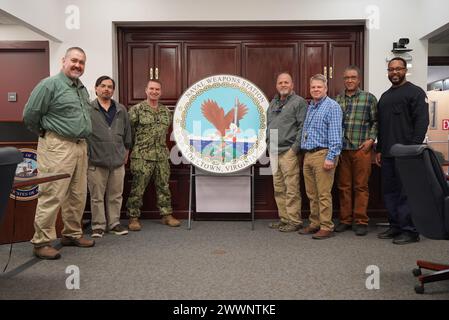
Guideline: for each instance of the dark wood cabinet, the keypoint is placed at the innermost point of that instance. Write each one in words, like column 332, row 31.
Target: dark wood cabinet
column 167, row 69
column 145, row 61
column 262, row 61
column 180, row 56
column 313, row 60
column 329, row 58
column 202, row 60
column 341, row 55
column 140, row 60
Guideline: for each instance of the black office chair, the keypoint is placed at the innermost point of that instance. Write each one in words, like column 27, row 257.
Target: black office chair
column 9, row 158
column 427, row 192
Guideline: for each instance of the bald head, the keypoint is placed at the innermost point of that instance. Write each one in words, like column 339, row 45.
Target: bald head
column 284, row 85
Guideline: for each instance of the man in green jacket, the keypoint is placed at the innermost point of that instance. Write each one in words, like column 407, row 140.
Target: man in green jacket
column 58, row 110
column 150, row 121
column 285, row 119
column 108, row 147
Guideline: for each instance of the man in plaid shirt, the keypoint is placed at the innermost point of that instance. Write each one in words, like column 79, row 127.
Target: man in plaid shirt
column 359, row 133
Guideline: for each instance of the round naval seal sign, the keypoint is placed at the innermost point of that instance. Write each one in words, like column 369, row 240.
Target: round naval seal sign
column 220, row 123
column 26, row 169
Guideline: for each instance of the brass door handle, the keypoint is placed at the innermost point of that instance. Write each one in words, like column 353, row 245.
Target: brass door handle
column 330, row 73
column 157, row 74
column 325, row 72
column 151, row 73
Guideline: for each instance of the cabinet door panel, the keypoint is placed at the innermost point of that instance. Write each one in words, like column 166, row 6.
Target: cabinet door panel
column 167, row 69
column 313, row 61
column 140, row 60
column 263, row 61
column 204, row 60
column 341, row 55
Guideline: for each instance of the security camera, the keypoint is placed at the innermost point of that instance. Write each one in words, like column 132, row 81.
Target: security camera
column 399, row 47
column 403, row 42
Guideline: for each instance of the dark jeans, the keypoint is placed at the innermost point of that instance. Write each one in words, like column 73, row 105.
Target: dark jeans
column 399, row 213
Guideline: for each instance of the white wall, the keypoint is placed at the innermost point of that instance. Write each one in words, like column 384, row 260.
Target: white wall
column 17, row 32
column 399, row 19
column 434, row 14
column 21, row 33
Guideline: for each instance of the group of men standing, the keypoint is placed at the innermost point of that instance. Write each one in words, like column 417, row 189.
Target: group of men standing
column 90, row 140
column 329, row 137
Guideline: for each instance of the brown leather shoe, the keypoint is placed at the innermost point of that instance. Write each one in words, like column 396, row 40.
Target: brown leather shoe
column 134, row 224
column 308, row 230
column 77, row 242
column 171, row 221
column 46, row 252
column 323, row 234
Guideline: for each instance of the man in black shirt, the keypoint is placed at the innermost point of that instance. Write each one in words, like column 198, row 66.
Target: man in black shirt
column 403, row 118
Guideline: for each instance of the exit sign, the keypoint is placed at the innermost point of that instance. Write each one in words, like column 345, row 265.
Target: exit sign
column 445, row 124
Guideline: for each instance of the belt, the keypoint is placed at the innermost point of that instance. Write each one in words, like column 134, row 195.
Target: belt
column 79, row 140
column 314, row 150
column 74, row 140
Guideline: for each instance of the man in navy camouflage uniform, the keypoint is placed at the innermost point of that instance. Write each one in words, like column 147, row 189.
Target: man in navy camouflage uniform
column 150, row 121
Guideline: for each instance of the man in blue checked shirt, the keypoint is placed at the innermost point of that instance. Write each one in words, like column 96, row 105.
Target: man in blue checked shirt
column 321, row 142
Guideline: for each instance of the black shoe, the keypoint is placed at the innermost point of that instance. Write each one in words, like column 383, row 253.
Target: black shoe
column 389, row 234
column 406, row 237
column 342, row 227
column 361, row 229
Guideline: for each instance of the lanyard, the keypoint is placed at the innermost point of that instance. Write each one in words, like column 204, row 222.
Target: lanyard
column 309, row 122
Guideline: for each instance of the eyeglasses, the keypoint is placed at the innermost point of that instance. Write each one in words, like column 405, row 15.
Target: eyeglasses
column 398, row 69
column 350, row 78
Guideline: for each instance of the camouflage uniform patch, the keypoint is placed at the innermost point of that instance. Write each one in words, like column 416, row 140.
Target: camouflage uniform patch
column 149, row 130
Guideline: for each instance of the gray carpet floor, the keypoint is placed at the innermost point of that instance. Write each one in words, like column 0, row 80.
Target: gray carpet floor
column 224, row 260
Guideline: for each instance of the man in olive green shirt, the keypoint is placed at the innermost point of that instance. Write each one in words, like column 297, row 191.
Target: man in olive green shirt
column 58, row 110
column 150, row 121
column 285, row 119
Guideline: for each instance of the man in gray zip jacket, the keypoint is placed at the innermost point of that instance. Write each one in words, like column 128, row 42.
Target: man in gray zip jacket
column 108, row 148
column 285, row 118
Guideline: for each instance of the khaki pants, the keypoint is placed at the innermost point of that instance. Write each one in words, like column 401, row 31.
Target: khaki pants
column 56, row 154
column 353, row 174
column 106, row 191
column 318, row 184
column 286, row 187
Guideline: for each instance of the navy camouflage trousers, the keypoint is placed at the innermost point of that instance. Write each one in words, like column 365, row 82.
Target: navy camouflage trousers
column 142, row 172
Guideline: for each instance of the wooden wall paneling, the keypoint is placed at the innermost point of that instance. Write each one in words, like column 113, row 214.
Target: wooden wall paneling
column 206, row 59
column 341, row 55
column 264, row 203
column 124, row 75
column 256, row 53
column 262, row 61
column 140, row 60
column 313, row 60
column 359, row 59
column 167, row 69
